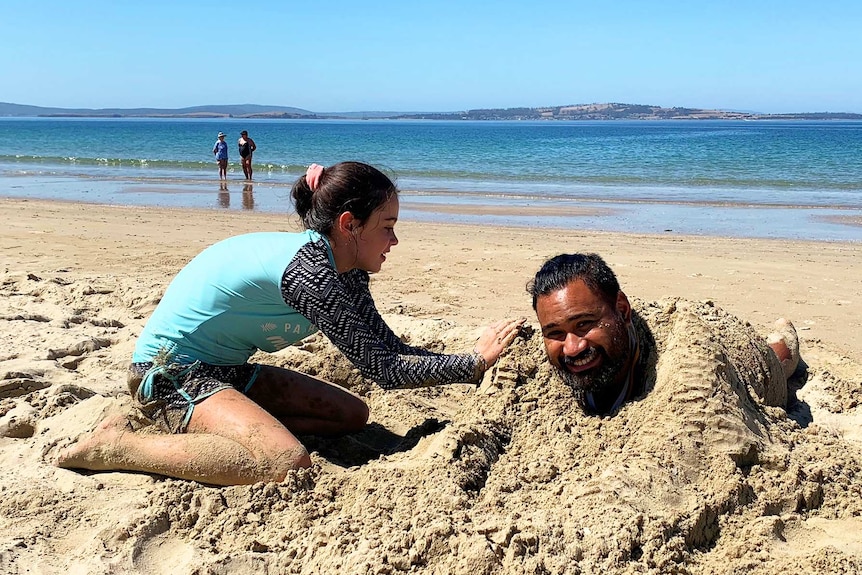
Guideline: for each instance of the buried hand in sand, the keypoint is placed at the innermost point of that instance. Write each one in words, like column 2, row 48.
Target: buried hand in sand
column 233, row 422
column 591, row 339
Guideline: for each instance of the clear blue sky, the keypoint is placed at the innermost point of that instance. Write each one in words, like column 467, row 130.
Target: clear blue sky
column 400, row 55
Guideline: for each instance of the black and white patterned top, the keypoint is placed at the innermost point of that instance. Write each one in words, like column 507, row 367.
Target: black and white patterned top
column 341, row 306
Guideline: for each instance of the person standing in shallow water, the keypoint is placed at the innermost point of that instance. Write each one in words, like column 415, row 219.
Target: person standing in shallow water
column 220, row 153
column 246, row 150
column 234, row 422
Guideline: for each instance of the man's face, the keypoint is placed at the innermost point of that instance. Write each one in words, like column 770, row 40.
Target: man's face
column 586, row 338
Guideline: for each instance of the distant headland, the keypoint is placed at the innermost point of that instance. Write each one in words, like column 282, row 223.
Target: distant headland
column 608, row 111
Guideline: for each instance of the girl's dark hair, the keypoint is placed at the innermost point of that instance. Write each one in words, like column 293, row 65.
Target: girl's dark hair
column 344, row 187
column 557, row 272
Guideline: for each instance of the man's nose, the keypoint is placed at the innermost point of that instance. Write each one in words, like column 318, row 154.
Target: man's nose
column 574, row 344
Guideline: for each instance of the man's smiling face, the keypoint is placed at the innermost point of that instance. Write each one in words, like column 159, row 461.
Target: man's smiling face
column 586, row 337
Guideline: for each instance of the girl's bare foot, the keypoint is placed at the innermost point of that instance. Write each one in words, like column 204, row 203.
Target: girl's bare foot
column 98, row 450
column 785, row 343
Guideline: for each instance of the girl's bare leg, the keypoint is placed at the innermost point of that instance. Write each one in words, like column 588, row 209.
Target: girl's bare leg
column 230, row 441
column 308, row 405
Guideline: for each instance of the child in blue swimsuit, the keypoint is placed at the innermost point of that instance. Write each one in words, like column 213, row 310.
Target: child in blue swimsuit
column 233, row 422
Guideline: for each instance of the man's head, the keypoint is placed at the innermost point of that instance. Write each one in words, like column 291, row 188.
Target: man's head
column 584, row 319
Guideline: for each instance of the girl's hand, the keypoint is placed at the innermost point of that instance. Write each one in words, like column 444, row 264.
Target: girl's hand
column 496, row 338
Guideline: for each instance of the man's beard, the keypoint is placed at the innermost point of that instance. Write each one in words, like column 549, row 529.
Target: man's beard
column 601, row 379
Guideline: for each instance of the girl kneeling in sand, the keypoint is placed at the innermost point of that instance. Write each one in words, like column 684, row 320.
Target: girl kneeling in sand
column 233, row 422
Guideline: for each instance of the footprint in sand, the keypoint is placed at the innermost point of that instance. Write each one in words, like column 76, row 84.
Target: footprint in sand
column 19, row 422
column 18, row 383
column 80, row 348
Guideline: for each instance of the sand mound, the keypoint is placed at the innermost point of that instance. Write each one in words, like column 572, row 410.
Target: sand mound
column 701, row 475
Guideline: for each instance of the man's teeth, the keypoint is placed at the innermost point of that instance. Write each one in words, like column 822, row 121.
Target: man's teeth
column 582, row 359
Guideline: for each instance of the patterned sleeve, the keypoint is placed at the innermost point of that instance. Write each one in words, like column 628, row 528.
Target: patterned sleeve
column 342, row 308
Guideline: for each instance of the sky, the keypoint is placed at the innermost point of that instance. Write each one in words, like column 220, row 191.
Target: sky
column 764, row 56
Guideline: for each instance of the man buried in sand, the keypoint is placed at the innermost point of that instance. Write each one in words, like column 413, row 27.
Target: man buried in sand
column 230, row 421
column 591, row 336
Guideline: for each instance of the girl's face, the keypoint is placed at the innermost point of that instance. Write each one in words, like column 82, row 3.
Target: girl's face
column 375, row 238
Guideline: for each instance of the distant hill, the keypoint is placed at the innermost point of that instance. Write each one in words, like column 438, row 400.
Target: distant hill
column 213, row 111
column 608, row 111
column 615, row 111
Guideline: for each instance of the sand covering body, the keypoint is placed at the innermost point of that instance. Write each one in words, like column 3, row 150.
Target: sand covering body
column 700, row 475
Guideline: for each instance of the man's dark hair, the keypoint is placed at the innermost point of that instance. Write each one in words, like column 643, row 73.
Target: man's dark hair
column 558, row 271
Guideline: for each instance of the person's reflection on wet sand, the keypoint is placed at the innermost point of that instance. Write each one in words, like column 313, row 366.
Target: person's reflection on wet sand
column 223, row 195
column 247, row 197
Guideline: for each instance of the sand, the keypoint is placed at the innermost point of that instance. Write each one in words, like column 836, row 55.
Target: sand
column 699, row 476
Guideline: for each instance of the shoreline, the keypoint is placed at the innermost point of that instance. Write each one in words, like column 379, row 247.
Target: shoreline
column 599, row 193
column 620, row 215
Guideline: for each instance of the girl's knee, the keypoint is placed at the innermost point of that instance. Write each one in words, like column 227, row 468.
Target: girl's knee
column 290, row 459
column 357, row 417
column 298, row 458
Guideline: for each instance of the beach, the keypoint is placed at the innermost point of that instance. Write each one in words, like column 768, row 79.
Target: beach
column 697, row 477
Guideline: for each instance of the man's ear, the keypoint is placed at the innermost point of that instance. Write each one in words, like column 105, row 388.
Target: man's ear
column 623, row 306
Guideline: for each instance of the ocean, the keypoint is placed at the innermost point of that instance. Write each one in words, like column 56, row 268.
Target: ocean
column 771, row 179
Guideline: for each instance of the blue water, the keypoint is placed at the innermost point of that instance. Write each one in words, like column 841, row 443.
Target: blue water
column 747, row 179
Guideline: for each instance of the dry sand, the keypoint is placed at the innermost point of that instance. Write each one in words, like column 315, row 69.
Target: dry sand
column 697, row 477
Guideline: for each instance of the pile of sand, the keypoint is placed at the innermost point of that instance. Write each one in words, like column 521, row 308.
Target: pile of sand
column 698, row 476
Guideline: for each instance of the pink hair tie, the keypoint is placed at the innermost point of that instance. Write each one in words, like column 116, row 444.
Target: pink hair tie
column 312, row 176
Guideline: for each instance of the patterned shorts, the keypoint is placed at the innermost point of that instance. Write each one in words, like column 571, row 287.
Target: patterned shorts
column 168, row 394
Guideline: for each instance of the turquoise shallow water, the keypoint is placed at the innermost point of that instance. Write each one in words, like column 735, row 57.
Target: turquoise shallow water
column 747, row 179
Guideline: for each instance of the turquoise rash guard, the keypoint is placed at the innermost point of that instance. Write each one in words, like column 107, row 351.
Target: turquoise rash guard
column 268, row 290
column 226, row 303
